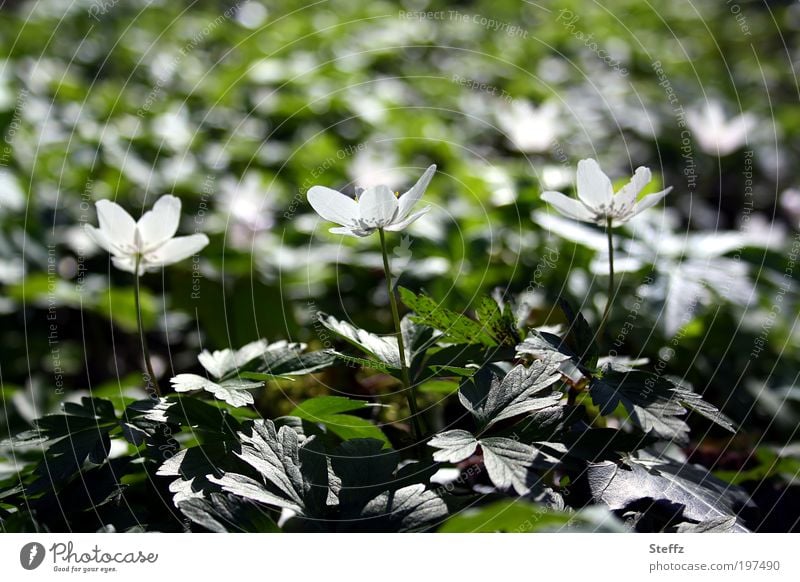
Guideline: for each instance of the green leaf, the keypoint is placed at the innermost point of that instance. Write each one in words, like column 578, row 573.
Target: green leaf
column 701, row 496
column 460, row 356
column 521, row 391
column 224, row 513
column 518, row 516
column 68, row 440
column 365, row 469
column 653, row 402
column 500, row 322
column 715, row 525
column 383, row 348
column 328, row 410
column 457, row 328
column 506, row 460
column 443, row 387
column 365, row 363
column 221, row 363
column 582, row 335
column 292, row 479
column 288, row 359
column 234, row 392
column 409, row 509
column 208, row 420
column 454, row 446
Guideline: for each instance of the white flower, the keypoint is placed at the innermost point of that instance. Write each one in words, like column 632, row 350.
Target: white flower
column 715, row 134
column 597, row 201
column 531, row 129
column 152, row 239
column 691, row 268
column 376, row 207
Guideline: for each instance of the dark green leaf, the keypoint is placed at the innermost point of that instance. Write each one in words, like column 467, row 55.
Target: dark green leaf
column 518, row 516
column 701, row 495
column 327, row 410
column 409, row 509
column 521, row 391
column 222, row 513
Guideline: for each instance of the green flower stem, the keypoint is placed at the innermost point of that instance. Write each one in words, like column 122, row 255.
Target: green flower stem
column 142, row 339
column 610, row 300
column 411, row 394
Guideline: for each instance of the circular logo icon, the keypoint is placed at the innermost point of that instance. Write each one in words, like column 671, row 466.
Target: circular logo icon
column 31, row 555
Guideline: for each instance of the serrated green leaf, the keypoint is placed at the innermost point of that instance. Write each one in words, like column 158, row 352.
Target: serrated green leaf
column 455, row 327
column 507, row 461
column 410, row 509
column 294, row 475
column 499, row 321
column 523, row 390
column 653, row 402
column 701, row 496
column 454, row 446
column 383, row 348
column 234, row 392
column 227, row 513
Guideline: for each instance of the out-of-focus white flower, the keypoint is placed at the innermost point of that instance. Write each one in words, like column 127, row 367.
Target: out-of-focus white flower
column 11, row 195
column 790, row 202
column 597, row 202
column 376, row 207
column 246, row 202
column 554, row 176
column 717, row 135
column 376, row 166
column 151, row 240
column 691, row 268
column 531, row 129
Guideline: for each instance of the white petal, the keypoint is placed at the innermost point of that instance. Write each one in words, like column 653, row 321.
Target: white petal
column 176, row 249
column 571, row 230
column 100, row 239
column 127, row 263
column 651, row 200
column 346, row 230
column 568, row 206
column 332, row 205
column 161, row 223
column 629, row 192
column 410, row 198
column 378, row 206
column 594, row 187
column 408, row 220
column 117, row 225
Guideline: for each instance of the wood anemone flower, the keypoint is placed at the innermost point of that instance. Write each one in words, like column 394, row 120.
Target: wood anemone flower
column 150, row 241
column 597, row 202
column 375, row 208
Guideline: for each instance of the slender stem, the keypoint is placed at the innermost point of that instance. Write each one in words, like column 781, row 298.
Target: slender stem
column 610, row 299
column 145, row 350
column 411, row 395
